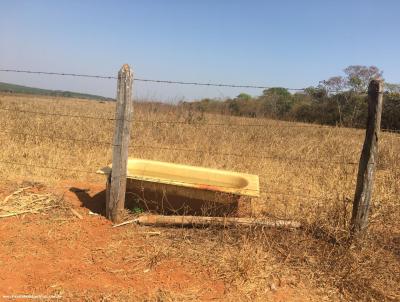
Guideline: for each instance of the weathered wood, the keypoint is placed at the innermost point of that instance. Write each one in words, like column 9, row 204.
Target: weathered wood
column 366, row 168
column 123, row 116
column 108, row 192
column 162, row 220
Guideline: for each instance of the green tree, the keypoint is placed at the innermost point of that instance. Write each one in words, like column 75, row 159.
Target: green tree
column 276, row 102
column 318, row 92
column 276, row 91
column 244, row 96
column 234, row 107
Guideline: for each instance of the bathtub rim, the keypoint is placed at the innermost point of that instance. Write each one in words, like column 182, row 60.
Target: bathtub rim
column 251, row 189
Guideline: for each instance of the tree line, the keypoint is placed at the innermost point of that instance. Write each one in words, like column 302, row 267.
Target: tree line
column 340, row 100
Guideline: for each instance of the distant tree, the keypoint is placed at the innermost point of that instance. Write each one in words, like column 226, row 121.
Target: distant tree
column 277, row 91
column 339, row 100
column 233, row 107
column 318, row 92
column 244, row 96
column 357, row 79
column 276, row 102
column 392, row 88
column 335, row 84
column 359, row 76
column 391, row 111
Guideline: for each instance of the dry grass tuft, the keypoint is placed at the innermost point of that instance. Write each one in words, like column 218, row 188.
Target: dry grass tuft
column 26, row 200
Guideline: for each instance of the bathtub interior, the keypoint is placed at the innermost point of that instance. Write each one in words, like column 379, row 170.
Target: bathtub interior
column 185, row 174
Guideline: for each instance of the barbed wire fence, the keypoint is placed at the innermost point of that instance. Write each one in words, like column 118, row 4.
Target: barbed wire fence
column 144, row 80
column 12, row 132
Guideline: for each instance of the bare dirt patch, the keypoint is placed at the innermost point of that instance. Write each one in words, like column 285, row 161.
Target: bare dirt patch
column 56, row 253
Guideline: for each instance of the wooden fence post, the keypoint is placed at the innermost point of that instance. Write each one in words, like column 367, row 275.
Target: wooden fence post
column 116, row 184
column 366, row 168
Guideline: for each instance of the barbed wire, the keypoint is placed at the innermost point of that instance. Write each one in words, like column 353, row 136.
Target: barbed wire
column 214, row 84
column 12, row 132
column 164, row 122
column 233, row 125
column 287, row 125
column 147, row 80
column 159, row 81
column 310, row 126
column 58, row 114
column 59, row 74
column 283, row 158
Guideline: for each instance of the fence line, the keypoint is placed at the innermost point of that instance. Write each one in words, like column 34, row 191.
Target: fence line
column 166, row 122
column 310, row 126
column 124, row 101
column 211, row 84
column 245, row 155
column 57, row 114
column 235, row 125
column 146, row 80
column 294, row 159
column 56, row 138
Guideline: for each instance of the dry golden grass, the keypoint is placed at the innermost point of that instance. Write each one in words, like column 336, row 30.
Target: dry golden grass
column 303, row 176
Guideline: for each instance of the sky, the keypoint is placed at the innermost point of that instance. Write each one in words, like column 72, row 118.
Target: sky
column 281, row 43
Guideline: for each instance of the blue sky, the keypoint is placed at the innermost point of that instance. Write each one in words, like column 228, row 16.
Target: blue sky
column 274, row 43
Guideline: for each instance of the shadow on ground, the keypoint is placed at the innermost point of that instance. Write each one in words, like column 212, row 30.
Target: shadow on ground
column 95, row 203
column 157, row 203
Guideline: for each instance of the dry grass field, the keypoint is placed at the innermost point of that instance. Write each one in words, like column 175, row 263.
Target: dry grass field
column 307, row 173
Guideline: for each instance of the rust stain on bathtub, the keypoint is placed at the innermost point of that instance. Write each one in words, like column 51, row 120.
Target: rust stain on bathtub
column 208, row 187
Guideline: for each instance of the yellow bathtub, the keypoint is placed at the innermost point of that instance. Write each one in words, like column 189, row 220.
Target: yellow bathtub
column 168, row 187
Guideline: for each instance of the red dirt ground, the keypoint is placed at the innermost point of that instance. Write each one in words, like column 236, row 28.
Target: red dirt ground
column 86, row 259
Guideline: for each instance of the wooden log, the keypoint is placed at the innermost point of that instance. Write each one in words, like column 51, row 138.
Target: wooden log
column 123, row 117
column 366, row 168
column 162, row 220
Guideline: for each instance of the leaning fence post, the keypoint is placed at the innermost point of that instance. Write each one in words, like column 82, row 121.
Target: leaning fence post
column 115, row 200
column 366, row 168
